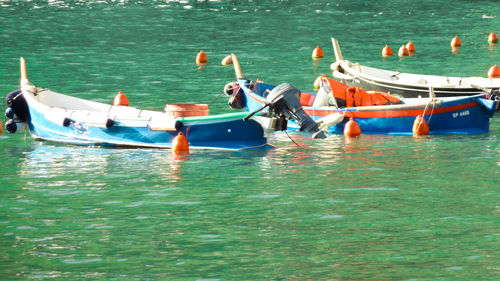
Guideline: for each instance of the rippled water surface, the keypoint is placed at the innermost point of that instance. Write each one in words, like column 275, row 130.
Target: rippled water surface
column 374, row 207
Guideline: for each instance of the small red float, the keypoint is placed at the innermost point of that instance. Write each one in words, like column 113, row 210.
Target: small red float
column 455, row 42
column 492, row 39
column 201, row 58
column 180, row 144
column 494, row 72
column 317, row 53
column 352, row 128
column 420, row 126
column 387, row 51
column 121, row 100
column 403, row 51
column 411, row 47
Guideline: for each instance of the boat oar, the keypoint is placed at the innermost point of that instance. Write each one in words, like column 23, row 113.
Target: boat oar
column 237, row 67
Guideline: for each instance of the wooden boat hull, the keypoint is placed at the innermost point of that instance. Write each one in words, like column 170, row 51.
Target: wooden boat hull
column 225, row 131
column 452, row 115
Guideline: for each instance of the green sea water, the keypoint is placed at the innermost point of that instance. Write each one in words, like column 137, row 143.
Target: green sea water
column 369, row 208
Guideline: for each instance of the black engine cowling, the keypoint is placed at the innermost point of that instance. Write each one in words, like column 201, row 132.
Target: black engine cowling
column 16, row 101
column 284, row 101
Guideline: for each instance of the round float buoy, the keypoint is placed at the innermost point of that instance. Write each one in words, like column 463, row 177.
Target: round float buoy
column 180, row 144
column 455, row 42
column 1, row 127
column 403, row 51
column 492, row 39
column 227, row 60
column 387, row 51
column 411, row 47
column 317, row 53
column 420, row 126
column 352, row 128
column 121, row 99
column 494, row 72
column 201, row 58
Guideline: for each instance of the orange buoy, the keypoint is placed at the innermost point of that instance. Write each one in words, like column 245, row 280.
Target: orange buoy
column 227, row 60
column 180, row 144
column 1, row 127
column 455, row 42
column 387, row 51
column 420, row 126
column 201, row 58
column 403, row 51
column 352, row 128
column 494, row 72
column 120, row 99
column 492, row 39
column 411, row 47
column 317, row 53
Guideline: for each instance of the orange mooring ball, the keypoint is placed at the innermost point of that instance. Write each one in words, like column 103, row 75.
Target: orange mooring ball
column 387, row 51
column 317, row 53
column 420, row 126
column 411, row 47
column 120, row 99
column 494, row 72
column 352, row 128
column 492, row 39
column 201, row 58
column 180, row 144
column 455, row 42
column 403, row 51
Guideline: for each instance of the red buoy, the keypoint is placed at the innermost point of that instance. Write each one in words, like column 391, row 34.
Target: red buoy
column 201, row 58
column 403, row 51
column 180, row 144
column 317, row 53
column 352, row 128
column 411, row 47
column 120, row 99
column 455, row 42
column 492, row 39
column 387, row 51
column 494, row 72
column 420, row 126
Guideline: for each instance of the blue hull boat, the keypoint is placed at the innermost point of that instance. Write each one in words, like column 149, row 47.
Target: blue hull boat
column 445, row 115
column 61, row 118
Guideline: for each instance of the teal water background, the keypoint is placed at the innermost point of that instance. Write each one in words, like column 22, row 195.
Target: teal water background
column 376, row 207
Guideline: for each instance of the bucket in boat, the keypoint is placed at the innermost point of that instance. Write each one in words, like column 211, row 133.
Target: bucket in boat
column 186, row 109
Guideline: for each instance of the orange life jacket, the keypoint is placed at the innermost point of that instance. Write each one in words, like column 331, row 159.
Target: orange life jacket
column 346, row 96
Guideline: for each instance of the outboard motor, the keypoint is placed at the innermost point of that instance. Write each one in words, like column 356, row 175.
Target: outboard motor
column 16, row 101
column 494, row 94
column 284, row 101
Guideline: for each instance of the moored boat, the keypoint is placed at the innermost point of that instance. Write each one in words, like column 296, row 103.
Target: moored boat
column 61, row 118
column 376, row 113
column 409, row 84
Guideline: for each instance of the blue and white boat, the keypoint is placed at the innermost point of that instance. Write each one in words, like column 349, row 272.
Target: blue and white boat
column 328, row 112
column 61, row 118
